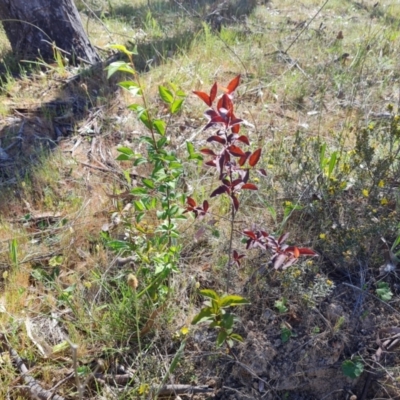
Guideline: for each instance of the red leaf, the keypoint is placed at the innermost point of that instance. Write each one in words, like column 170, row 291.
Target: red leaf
column 294, row 250
column 243, row 139
column 218, row 139
column 210, row 114
column 208, row 152
column 253, row 160
column 225, row 103
column 233, row 84
column 307, row 252
column 250, row 234
column 279, row 260
column 213, row 92
column 211, row 163
column 235, row 254
column 250, row 186
column 262, row 172
column 219, row 190
column 236, row 151
column 191, row 202
column 217, row 119
column 222, row 160
column 236, row 182
column 235, row 128
column 204, row 96
column 235, row 202
column 243, row 159
column 282, row 238
column 235, row 121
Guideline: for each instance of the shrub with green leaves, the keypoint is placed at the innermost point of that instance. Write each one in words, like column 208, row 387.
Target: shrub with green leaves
column 216, row 312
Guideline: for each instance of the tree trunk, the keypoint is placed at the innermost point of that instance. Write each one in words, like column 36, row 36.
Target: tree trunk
column 42, row 23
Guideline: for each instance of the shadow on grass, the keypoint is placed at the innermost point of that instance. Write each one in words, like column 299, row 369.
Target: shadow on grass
column 165, row 15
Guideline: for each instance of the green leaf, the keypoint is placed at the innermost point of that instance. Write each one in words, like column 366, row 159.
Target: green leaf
column 332, row 163
column 192, row 154
column 136, row 107
column 131, row 87
column 161, row 214
column 286, row 334
column 144, row 117
column 120, row 66
column 138, row 191
column 161, row 142
column 228, row 320
column 322, row 156
column 236, row 336
column 173, row 210
column 190, row 148
column 176, row 106
column 160, row 126
column 166, row 94
column 233, row 300
column 281, row 305
column 122, row 49
column 126, row 150
column 139, row 206
column 140, row 161
column 383, row 291
column 148, row 183
column 123, row 157
column 353, row 368
column 210, row 294
column 222, row 335
column 56, row 261
column 13, row 251
column 139, row 216
column 205, row 314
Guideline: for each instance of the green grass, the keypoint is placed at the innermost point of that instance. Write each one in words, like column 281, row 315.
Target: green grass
column 341, row 205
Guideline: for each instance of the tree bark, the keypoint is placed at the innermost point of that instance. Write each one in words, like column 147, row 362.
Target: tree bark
column 33, row 26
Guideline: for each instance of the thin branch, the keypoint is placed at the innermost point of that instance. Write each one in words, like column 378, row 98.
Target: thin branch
column 306, row 26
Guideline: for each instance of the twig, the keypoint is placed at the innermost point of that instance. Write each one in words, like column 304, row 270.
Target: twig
column 35, row 389
column 94, row 167
column 306, row 26
column 169, row 390
column 79, row 387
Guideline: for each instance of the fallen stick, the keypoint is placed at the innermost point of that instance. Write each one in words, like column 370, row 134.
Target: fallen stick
column 35, row 390
column 169, row 390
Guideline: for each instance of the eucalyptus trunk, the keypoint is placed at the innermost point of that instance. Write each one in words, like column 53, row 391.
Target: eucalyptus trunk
column 35, row 27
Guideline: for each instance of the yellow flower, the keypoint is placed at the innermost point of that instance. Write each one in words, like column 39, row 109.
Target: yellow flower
column 322, row 236
column 184, row 331
column 384, row 201
column 288, row 203
column 329, row 282
column 381, row 183
column 365, row 192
